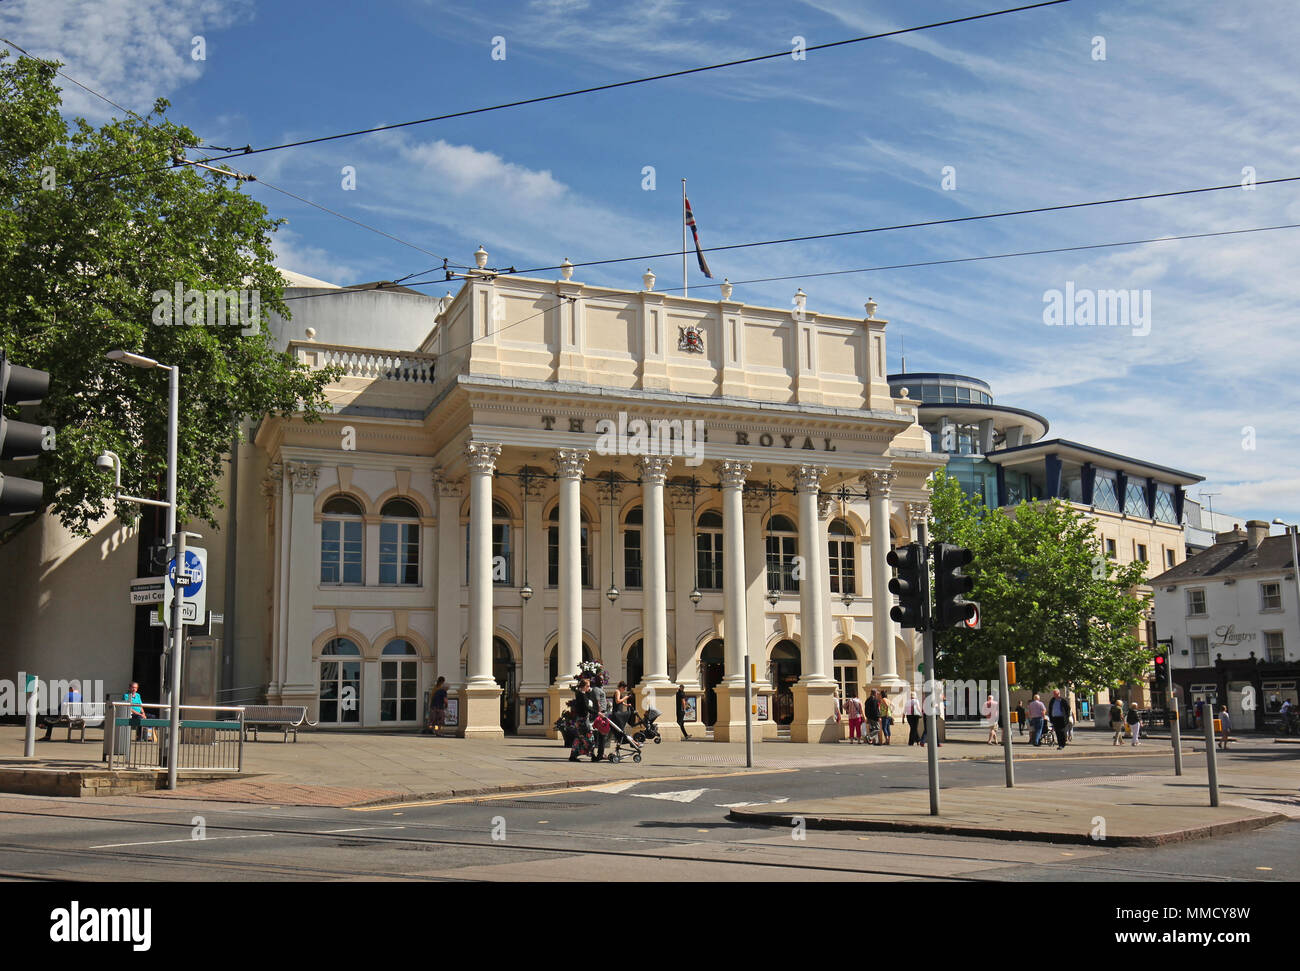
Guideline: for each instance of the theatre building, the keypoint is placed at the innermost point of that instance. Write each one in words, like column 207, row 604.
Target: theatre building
column 556, row 472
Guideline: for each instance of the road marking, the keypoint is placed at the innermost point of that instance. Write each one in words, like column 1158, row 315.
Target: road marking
column 206, row 839
column 528, row 794
column 616, row 787
column 357, row 829
column 739, row 805
column 682, row 795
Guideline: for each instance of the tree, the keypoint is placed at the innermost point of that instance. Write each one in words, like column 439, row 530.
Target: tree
column 94, row 224
column 1050, row 599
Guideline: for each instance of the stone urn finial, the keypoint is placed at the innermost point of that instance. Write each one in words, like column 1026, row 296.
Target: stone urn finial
column 566, row 269
column 648, row 279
column 480, row 257
column 871, row 308
column 726, row 289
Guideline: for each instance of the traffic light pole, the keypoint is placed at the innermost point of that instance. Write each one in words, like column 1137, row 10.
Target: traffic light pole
column 1175, row 735
column 930, row 709
column 1004, row 715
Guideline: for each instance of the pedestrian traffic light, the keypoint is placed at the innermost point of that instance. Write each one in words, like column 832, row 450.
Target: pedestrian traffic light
column 1162, row 669
column 909, row 586
column 950, row 607
column 20, row 439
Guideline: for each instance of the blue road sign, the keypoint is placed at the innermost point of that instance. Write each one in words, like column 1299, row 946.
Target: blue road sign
column 194, row 568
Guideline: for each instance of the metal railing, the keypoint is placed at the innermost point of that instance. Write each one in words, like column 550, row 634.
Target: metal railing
column 212, row 739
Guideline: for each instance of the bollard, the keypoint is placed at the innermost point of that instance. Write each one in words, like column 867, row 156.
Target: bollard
column 1211, row 763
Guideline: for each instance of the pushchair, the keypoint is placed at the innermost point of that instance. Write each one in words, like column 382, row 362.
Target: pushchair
column 649, row 730
column 622, row 740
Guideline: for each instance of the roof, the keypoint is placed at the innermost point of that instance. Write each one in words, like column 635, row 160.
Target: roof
column 1082, row 453
column 1235, row 558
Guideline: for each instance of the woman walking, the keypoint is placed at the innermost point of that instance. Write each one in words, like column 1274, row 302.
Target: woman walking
column 886, row 717
column 1117, row 723
column 991, row 713
column 853, row 708
column 438, row 707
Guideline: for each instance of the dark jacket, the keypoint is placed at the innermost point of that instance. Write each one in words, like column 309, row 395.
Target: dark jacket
column 1058, row 707
column 873, row 708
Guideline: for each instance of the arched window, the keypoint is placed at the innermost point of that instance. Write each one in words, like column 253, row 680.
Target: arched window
column 341, row 531
column 782, row 547
column 632, row 549
column 553, row 661
column 843, row 557
column 635, row 663
column 708, row 551
column 398, row 678
column 399, row 543
column 553, row 550
column 339, row 692
column 502, row 557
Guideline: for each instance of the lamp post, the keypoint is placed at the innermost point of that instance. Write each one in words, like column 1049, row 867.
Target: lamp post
column 177, row 541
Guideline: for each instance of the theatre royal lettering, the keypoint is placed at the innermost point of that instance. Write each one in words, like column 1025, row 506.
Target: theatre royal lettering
column 763, row 439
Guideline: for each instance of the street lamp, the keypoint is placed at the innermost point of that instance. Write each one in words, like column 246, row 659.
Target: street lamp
column 1295, row 555
column 107, row 460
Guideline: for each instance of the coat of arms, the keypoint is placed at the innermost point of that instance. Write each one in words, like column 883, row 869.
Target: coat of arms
column 690, row 339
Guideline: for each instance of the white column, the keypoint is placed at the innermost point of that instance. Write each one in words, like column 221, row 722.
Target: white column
column 653, row 470
column 481, row 458
column 568, row 466
column 812, row 586
column 884, row 665
column 732, row 475
column 300, row 685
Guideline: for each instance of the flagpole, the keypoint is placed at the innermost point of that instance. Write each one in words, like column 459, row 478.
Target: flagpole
column 685, row 289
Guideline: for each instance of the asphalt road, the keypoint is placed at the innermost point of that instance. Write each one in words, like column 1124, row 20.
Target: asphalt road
column 645, row 831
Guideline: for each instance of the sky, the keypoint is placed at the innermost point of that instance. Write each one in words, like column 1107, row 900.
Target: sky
column 1081, row 101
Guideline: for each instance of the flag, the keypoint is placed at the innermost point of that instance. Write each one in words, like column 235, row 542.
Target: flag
column 699, row 254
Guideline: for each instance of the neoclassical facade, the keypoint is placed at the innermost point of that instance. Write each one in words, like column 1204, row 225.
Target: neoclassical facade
column 559, row 472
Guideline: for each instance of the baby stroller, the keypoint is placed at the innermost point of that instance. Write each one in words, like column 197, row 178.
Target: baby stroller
column 649, row 729
column 621, row 740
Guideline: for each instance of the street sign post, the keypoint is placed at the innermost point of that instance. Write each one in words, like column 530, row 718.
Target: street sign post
column 194, row 588
column 148, row 590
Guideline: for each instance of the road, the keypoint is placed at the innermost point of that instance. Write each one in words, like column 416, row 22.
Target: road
column 648, row 830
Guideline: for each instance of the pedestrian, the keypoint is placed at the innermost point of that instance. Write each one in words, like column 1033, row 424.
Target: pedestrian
column 438, row 707
column 1200, row 711
column 873, row 718
column 603, row 707
column 853, row 709
column 991, row 711
column 1020, row 716
column 1117, row 723
column 886, row 718
column 584, row 711
column 132, row 698
column 1225, row 726
column 1059, row 712
column 73, row 696
column 1037, row 713
column 681, row 710
column 1134, row 721
column 912, row 712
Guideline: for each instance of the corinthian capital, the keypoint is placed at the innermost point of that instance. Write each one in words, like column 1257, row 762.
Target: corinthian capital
column 482, row 456
column 303, row 476
column 918, row 512
column 879, row 481
column 732, row 474
column 808, row 478
column 569, row 462
column 653, row 469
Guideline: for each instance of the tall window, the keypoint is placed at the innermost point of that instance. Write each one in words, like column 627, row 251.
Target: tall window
column 1169, row 558
column 1200, row 652
column 1275, row 653
column 708, row 551
column 397, row 674
column 1142, row 552
column 1165, row 506
column 1135, row 499
column 340, row 542
column 843, row 557
column 1110, row 548
column 1196, row 603
column 339, row 690
column 1270, row 596
column 399, row 543
column 632, row 550
column 1104, row 495
column 553, row 550
column 846, row 671
column 502, row 559
column 782, row 546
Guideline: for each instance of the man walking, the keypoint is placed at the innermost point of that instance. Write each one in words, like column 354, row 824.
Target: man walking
column 912, row 712
column 1059, row 712
column 681, row 710
column 1036, row 712
column 991, row 714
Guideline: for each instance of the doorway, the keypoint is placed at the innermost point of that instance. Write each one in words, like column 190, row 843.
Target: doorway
column 711, row 672
column 506, row 674
column 786, row 668
column 553, row 664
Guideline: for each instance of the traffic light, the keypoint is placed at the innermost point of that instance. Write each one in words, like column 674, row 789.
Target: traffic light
column 20, row 439
column 1162, row 669
column 909, row 586
column 950, row 607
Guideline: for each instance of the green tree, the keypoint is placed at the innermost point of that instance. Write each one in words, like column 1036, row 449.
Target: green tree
column 1050, row 599
column 93, row 223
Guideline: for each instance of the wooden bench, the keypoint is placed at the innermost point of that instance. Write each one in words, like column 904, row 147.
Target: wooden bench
column 79, row 715
column 286, row 718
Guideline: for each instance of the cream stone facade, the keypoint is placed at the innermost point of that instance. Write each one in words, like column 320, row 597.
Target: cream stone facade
column 460, row 513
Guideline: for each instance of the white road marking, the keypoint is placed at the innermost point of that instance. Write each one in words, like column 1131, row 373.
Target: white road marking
column 616, row 786
column 206, row 839
column 358, row 829
column 741, row 805
column 683, row 795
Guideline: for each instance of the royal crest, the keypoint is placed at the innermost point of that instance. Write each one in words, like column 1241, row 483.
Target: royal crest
column 690, row 339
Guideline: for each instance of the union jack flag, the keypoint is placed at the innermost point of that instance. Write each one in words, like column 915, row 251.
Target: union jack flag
column 699, row 254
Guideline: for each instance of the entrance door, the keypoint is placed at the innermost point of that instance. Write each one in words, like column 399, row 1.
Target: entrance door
column 505, row 673
column 786, row 668
column 711, row 672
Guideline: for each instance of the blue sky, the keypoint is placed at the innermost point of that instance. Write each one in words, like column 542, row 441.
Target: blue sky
column 1189, row 94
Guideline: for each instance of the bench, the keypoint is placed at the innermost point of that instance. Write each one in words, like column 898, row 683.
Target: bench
column 79, row 715
column 287, row 718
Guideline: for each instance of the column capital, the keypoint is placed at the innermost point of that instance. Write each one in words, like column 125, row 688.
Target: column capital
column 482, row 456
column 304, row 476
column 273, row 481
column 825, row 503
column 609, row 490
column 732, row 474
column 918, row 512
column 879, row 481
column 445, row 487
column 808, row 478
column 569, row 462
column 653, row 469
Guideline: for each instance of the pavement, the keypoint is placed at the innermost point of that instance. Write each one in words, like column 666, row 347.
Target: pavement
column 357, row 769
